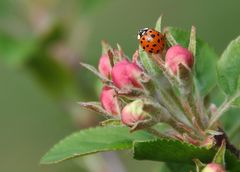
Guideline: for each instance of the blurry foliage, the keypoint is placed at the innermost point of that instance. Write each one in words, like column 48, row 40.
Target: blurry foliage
column 88, row 5
column 30, row 34
column 34, row 37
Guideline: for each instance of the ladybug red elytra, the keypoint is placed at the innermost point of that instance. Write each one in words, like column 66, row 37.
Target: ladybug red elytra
column 151, row 40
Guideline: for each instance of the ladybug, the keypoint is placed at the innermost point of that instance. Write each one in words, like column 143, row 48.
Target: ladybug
column 151, row 40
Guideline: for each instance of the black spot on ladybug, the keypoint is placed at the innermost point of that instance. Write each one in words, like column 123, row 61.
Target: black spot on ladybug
column 144, row 48
column 150, row 51
column 143, row 38
column 152, row 35
column 154, row 45
column 150, row 31
column 158, row 51
column 158, row 34
column 158, row 40
column 147, row 45
column 141, row 42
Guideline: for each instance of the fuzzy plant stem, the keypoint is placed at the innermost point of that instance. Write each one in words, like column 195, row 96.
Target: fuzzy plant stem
column 171, row 79
column 185, row 104
column 200, row 109
column 166, row 117
column 222, row 108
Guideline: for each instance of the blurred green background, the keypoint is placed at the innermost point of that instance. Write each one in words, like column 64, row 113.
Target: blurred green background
column 41, row 45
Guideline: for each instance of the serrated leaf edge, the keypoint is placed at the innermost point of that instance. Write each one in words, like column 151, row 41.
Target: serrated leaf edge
column 183, row 143
column 76, row 155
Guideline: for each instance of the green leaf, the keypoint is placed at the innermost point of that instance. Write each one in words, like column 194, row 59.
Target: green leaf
column 111, row 122
column 219, row 158
column 179, row 152
column 192, row 41
column 231, row 124
column 205, row 61
column 236, row 103
column 158, row 26
column 95, row 72
column 229, row 68
column 94, row 106
column 148, row 63
column 179, row 167
column 94, row 140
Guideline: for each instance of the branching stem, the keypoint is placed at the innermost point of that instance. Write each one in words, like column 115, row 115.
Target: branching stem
column 222, row 108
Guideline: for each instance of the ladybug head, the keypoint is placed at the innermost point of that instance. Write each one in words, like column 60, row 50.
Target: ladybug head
column 141, row 32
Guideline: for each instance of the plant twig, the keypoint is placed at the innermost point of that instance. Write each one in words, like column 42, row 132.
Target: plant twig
column 222, row 108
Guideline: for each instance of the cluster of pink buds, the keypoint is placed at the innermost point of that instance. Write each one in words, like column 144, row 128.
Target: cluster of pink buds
column 123, row 77
column 139, row 98
column 128, row 92
column 159, row 85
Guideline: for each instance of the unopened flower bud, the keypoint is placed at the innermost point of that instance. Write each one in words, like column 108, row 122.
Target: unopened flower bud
column 126, row 75
column 177, row 55
column 104, row 66
column 109, row 100
column 214, row 167
column 133, row 112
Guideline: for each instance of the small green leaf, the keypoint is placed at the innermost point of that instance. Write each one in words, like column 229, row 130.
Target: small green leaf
column 158, row 26
column 171, row 40
column 148, row 63
column 179, row 152
column 94, row 106
column 205, row 61
column 229, row 68
column 179, row 167
column 192, row 41
column 93, row 140
column 219, row 158
column 111, row 122
column 199, row 165
column 95, row 71
column 236, row 102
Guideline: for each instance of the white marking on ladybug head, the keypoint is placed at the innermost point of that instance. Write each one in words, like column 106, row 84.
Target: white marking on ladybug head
column 141, row 32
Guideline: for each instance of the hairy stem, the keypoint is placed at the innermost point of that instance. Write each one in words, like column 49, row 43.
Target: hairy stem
column 222, row 108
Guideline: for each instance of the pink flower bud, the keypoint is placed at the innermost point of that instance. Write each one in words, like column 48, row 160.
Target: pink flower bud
column 178, row 55
column 133, row 112
column 109, row 100
column 214, row 167
column 126, row 75
column 104, row 66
